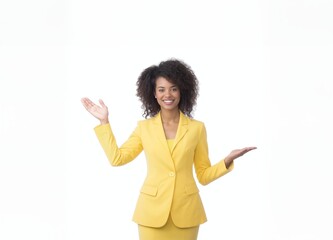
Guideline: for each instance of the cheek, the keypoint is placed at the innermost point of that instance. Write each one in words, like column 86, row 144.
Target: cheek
column 157, row 95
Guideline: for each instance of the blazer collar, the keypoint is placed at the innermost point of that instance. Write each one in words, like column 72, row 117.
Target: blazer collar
column 181, row 130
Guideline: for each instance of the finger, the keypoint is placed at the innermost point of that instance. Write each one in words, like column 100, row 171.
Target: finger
column 102, row 103
column 87, row 103
column 84, row 102
column 251, row 148
column 247, row 149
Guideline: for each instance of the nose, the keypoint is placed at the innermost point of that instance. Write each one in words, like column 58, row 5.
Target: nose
column 168, row 92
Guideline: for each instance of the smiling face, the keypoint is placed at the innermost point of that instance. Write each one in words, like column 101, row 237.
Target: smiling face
column 167, row 94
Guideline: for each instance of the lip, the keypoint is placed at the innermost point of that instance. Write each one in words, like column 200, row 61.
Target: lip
column 168, row 101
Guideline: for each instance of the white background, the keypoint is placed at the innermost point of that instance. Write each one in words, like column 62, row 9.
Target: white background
column 265, row 73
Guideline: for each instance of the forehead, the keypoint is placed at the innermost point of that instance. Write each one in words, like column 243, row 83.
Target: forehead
column 163, row 82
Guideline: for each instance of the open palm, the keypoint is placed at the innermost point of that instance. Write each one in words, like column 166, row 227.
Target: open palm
column 239, row 152
column 99, row 112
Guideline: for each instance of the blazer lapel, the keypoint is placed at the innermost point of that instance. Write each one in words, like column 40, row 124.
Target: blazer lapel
column 181, row 131
column 160, row 132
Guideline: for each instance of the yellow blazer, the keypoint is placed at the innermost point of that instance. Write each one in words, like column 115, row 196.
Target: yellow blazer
column 169, row 187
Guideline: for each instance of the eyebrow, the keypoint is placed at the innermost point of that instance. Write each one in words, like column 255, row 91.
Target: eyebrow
column 164, row 87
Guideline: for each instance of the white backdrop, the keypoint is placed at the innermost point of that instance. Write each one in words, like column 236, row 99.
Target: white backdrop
column 265, row 73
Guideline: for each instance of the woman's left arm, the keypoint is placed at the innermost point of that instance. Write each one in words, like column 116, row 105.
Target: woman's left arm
column 206, row 173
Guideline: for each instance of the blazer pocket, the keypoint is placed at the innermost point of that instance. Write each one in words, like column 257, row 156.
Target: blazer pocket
column 191, row 189
column 149, row 190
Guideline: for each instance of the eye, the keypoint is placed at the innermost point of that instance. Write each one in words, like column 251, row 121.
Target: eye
column 174, row 89
column 161, row 90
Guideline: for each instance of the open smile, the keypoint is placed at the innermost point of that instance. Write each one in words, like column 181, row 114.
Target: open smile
column 168, row 101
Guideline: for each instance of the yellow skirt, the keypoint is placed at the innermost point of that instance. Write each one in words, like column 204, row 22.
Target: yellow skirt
column 167, row 232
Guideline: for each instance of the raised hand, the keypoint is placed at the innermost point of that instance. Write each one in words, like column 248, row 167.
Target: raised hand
column 236, row 154
column 99, row 112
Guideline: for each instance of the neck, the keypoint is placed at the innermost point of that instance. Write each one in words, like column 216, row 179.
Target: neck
column 170, row 116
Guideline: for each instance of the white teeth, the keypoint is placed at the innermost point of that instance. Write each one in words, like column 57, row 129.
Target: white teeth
column 168, row 101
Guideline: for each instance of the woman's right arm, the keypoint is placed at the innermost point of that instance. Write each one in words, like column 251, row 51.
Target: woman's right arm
column 127, row 152
column 117, row 156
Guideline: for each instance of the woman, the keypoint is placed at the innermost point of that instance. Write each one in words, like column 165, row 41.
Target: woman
column 169, row 205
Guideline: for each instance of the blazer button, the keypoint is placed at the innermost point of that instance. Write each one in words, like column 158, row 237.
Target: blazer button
column 171, row 174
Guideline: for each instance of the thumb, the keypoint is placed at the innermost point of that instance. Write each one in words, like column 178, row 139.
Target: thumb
column 102, row 103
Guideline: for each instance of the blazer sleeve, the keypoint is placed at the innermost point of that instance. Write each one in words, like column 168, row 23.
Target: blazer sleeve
column 205, row 172
column 118, row 156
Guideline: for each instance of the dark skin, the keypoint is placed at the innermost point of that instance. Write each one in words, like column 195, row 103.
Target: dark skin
column 167, row 96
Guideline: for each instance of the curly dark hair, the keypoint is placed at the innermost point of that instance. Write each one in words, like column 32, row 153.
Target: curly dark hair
column 176, row 72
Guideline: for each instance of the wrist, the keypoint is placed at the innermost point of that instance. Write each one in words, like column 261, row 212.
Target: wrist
column 228, row 162
column 104, row 121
